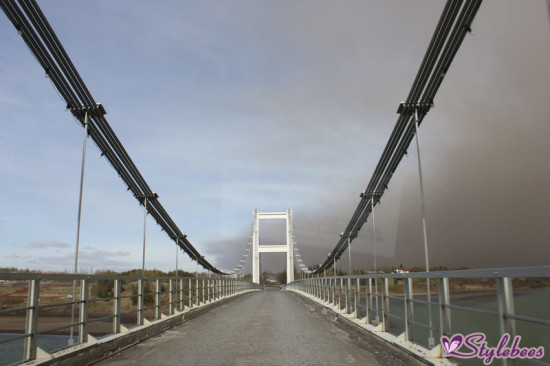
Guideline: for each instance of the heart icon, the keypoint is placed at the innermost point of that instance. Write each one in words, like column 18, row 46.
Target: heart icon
column 452, row 344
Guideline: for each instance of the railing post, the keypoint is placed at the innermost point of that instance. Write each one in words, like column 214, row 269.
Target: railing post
column 141, row 296
column 506, row 306
column 190, row 292
column 197, row 299
column 444, row 310
column 340, row 286
column 171, row 296
column 409, row 307
column 326, row 289
column 31, row 321
column 368, row 300
column 157, row 299
column 317, row 287
column 333, row 291
column 214, row 289
column 181, row 301
column 83, row 327
column 356, row 291
column 385, row 305
column 348, row 300
column 203, row 292
column 116, row 306
column 215, row 285
column 315, row 292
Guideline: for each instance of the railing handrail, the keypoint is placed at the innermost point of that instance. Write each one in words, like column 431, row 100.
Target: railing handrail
column 539, row 271
column 21, row 276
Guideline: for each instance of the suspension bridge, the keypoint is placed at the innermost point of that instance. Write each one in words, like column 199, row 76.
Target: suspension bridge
column 228, row 317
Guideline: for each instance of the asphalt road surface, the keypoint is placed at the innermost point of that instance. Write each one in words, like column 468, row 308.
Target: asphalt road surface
column 271, row 327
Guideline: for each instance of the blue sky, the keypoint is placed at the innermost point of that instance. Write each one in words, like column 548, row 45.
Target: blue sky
column 228, row 106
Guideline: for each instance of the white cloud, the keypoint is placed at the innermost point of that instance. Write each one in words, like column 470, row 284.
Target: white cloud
column 48, row 244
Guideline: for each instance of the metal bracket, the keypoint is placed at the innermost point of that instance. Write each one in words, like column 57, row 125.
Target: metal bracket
column 149, row 196
column 95, row 110
column 407, row 109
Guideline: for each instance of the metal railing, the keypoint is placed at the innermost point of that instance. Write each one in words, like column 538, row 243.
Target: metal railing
column 493, row 301
column 105, row 305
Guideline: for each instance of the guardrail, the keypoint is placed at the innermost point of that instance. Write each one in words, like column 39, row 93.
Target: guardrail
column 515, row 301
column 36, row 306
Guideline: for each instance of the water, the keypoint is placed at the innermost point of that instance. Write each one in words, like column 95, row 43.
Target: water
column 12, row 352
column 531, row 303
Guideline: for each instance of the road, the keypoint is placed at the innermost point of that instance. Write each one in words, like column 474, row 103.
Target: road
column 271, row 327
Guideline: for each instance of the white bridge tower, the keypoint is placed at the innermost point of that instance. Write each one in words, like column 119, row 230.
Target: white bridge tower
column 257, row 248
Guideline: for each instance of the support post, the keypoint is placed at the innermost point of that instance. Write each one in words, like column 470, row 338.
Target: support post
column 190, row 292
column 368, row 300
column 83, row 327
column 32, row 320
column 172, row 296
column 157, row 299
column 141, row 296
column 197, row 289
column 444, row 309
column 409, row 307
column 116, row 306
column 385, row 305
column 340, row 286
column 181, row 301
column 356, row 298
column 506, row 306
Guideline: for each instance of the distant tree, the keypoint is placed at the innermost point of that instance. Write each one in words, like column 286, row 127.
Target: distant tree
column 103, row 288
column 181, row 273
column 281, row 277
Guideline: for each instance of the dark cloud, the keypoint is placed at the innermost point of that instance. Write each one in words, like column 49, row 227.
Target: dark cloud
column 484, row 151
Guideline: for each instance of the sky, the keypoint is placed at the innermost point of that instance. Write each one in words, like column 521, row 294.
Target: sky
column 230, row 106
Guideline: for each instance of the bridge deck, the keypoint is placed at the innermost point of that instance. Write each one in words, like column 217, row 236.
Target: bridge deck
column 271, row 327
